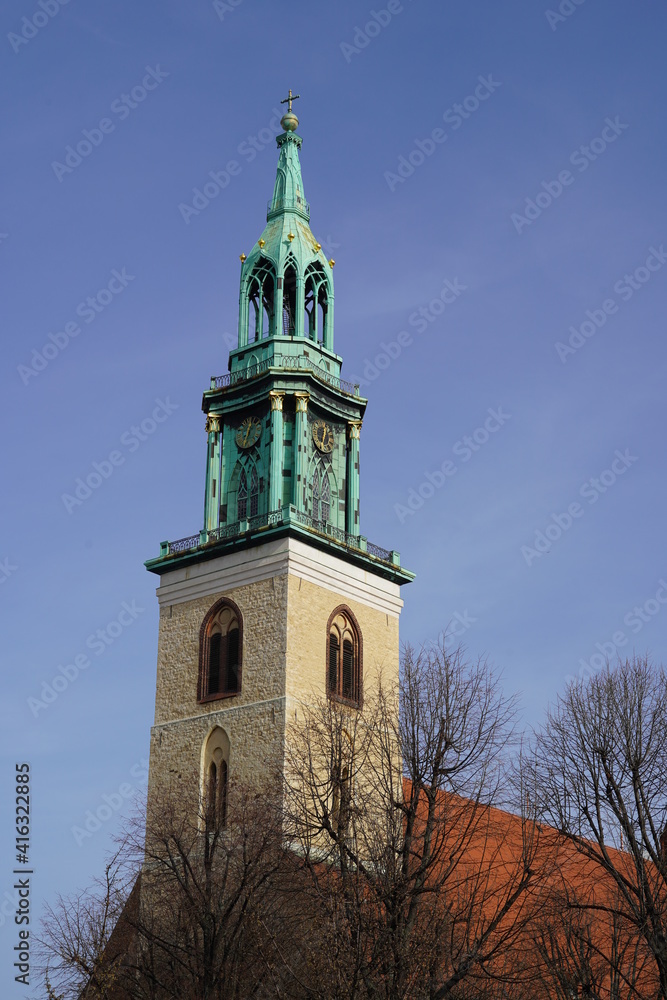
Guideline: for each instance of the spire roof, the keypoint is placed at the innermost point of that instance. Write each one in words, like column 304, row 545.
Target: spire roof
column 287, row 233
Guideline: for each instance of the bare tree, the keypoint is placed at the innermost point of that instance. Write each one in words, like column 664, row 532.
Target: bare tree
column 212, row 920
column 73, row 946
column 584, row 953
column 426, row 884
column 600, row 772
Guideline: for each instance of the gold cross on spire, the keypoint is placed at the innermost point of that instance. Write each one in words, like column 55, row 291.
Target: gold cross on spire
column 288, row 100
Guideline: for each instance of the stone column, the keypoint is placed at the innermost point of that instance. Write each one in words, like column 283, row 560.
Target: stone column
column 276, row 469
column 299, row 308
column 352, row 477
column 329, row 324
column 300, row 452
column 243, row 311
column 278, row 307
column 212, row 495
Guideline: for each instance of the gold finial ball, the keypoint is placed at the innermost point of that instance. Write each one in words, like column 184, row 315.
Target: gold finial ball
column 289, row 121
column 261, row 244
column 290, row 236
column 318, row 246
column 242, row 257
column 332, row 263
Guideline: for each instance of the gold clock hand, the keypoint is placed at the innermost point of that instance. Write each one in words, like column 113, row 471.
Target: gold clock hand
column 247, row 434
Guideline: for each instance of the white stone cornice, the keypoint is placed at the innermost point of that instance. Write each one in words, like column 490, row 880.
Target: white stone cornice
column 276, row 558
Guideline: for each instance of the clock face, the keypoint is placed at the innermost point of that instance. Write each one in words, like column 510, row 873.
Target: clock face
column 323, row 436
column 248, row 433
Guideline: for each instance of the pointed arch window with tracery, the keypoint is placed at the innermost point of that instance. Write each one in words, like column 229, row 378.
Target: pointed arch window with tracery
column 247, row 497
column 321, row 495
column 289, row 298
column 215, row 781
column 344, row 657
column 220, row 649
column 316, row 298
column 261, row 296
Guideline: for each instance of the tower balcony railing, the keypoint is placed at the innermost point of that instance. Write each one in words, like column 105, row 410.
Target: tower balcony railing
column 288, row 204
column 299, row 363
column 275, row 518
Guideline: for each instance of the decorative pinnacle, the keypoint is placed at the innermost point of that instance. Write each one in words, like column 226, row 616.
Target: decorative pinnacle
column 289, row 120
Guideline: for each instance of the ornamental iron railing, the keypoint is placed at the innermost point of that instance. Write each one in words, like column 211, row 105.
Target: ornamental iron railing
column 295, row 204
column 286, row 515
column 300, row 363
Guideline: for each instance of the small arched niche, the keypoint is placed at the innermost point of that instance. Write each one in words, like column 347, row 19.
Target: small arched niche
column 215, row 780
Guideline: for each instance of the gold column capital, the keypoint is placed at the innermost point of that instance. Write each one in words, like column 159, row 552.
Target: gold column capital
column 301, row 401
column 276, row 399
column 354, row 428
column 212, row 423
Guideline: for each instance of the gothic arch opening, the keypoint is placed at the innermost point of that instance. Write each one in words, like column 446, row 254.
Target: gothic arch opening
column 220, row 652
column 315, row 302
column 246, row 485
column 215, row 780
column 261, row 296
column 289, row 299
column 322, row 493
column 344, row 657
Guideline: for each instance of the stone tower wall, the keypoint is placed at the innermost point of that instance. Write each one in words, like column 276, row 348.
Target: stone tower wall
column 286, row 591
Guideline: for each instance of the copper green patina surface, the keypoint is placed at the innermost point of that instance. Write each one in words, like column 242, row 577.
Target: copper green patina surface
column 283, row 427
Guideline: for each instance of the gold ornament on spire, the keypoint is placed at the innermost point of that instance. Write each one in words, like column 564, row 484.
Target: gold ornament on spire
column 289, row 120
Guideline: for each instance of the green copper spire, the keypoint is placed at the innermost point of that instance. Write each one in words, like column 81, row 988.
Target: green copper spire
column 288, row 189
column 286, row 280
column 283, row 427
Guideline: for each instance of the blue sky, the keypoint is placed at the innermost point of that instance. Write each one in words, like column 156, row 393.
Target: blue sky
column 540, row 200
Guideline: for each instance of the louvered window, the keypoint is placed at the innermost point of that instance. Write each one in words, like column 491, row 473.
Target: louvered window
column 333, row 661
column 348, row 668
column 220, row 653
column 344, row 658
column 214, row 663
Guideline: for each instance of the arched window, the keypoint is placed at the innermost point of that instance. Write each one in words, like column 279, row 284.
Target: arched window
column 316, row 494
column 220, row 652
column 289, row 299
column 321, row 495
column 325, row 500
column 247, row 498
column 214, row 784
column 242, row 497
column 315, row 302
column 344, row 657
column 261, row 294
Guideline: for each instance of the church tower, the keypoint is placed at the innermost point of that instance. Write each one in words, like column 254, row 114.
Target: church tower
column 279, row 599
